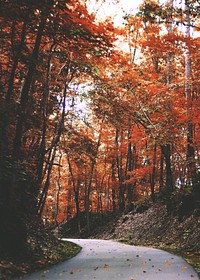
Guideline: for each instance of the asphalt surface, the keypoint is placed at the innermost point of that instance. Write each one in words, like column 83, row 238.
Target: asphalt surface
column 106, row 260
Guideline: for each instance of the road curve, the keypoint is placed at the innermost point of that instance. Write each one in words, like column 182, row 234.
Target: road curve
column 106, row 260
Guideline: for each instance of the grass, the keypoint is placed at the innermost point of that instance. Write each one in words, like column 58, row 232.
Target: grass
column 15, row 268
column 192, row 258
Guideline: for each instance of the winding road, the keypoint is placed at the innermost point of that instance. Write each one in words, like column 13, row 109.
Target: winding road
column 106, row 260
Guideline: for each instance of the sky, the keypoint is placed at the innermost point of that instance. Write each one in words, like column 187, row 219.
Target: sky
column 113, row 9
column 117, row 8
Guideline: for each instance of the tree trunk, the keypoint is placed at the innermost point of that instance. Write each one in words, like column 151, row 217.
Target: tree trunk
column 169, row 177
column 113, row 186
column 59, row 189
column 55, row 143
column 153, row 174
column 6, row 197
column 129, row 168
column 76, row 192
column 15, row 63
column 90, row 183
column 12, row 201
column 161, row 172
column 42, row 148
column 119, row 173
column 25, row 91
column 191, row 168
column 166, row 150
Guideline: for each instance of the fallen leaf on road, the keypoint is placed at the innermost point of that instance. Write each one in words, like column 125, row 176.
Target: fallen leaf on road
column 184, row 268
column 106, row 266
column 167, row 265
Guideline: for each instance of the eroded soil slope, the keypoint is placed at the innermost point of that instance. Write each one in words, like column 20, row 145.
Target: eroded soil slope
column 155, row 227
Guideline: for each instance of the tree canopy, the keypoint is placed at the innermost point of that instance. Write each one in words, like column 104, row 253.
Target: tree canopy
column 94, row 117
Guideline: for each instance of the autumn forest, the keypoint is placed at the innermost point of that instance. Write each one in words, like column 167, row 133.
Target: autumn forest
column 96, row 117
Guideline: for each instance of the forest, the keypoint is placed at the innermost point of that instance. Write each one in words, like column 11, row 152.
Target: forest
column 95, row 117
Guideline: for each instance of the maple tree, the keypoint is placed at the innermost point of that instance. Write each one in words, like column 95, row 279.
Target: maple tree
column 143, row 107
column 45, row 46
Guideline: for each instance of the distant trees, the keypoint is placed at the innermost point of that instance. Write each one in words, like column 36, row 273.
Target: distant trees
column 141, row 98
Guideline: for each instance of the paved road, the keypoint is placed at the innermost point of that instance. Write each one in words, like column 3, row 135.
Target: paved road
column 106, row 260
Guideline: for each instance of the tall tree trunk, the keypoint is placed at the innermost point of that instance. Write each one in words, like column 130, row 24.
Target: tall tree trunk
column 153, row 175
column 15, row 63
column 161, row 172
column 76, row 192
column 55, row 143
column 57, row 200
column 42, row 148
column 25, row 91
column 16, row 189
column 119, row 172
column 5, row 120
column 90, row 183
column 12, row 201
column 190, row 143
column 166, row 150
column 113, row 186
column 129, row 167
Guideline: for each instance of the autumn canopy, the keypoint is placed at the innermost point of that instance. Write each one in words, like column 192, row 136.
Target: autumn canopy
column 95, row 117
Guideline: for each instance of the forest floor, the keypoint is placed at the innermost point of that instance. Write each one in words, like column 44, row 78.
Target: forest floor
column 143, row 226
column 147, row 226
column 45, row 254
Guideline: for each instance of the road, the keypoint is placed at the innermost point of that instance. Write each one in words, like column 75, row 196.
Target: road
column 106, row 260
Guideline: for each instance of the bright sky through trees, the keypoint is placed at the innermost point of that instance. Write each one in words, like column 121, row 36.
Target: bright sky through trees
column 117, row 8
column 114, row 8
